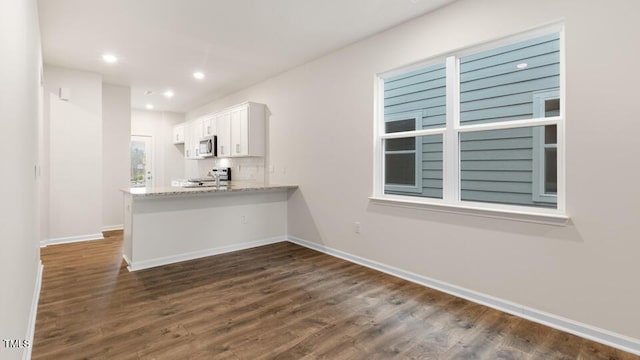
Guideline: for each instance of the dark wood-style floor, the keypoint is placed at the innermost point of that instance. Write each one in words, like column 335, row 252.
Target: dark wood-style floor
column 279, row 301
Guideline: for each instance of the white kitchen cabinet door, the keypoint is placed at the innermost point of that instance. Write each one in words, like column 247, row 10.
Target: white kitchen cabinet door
column 178, row 134
column 188, row 141
column 209, row 126
column 223, row 130
column 197, row 135
column 193, row 134
column 240, row 131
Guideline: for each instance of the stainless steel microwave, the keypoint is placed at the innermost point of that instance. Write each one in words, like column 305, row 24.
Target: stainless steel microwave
column 208, row 146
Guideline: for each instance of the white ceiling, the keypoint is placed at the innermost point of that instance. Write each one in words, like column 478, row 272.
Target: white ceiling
column 236, row 43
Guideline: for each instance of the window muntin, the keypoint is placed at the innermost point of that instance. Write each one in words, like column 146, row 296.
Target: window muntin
column 493, row 91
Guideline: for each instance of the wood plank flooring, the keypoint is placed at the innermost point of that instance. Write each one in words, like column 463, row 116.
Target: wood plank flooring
column 280, row 301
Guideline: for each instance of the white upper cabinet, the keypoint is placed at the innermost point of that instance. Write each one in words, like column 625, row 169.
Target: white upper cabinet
column 247, row 130
column 240, row 131
column 197, row 135
column 209, row 125
column 223, row 129
column 178, row 134
column 193, row 132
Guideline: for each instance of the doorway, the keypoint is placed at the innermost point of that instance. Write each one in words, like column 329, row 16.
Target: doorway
column 141, row 161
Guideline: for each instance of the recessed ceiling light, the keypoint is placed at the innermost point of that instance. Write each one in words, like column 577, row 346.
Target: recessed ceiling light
column 198, row 75
column 109, row 58
column 522, row 66
column 169, row 94
column 149, row 106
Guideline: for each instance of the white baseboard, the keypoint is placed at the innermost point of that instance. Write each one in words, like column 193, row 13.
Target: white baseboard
column 126, row 259
column 71, row 239
column 112, row 227
column 31, row 326
column 145, row 264
column 596, row 334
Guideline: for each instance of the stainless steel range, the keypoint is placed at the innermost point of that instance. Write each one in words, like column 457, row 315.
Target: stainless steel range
column 219, row 177
column 223, row 174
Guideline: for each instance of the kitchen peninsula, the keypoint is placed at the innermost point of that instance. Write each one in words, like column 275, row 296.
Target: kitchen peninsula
column 164, row 225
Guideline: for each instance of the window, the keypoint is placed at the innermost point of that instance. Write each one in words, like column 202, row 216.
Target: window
column 414, row 114
column 480, row 129
column 403, row 156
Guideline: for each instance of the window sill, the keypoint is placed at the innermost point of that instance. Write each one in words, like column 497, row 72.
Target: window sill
column 524, row 216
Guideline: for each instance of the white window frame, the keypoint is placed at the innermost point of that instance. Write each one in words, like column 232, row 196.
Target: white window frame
column 417, row 184
column 451, row 201
column 539, row 146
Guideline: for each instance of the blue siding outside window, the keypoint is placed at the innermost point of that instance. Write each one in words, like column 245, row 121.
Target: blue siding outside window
column 493, row 88
column 420, row 90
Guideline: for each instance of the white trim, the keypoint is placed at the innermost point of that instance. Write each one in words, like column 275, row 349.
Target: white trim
column 586, row 331
column 539, row 146
column 450, row 152
column 504, row 125
column 126, row 259
column 71, row 239
column 414, row 133
column 561, row 140
column 31, row 325
column 146, row 264
column 112, row 227
column 378, row 116
column 495, row 211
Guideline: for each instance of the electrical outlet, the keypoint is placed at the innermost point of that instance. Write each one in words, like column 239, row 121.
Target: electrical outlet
column 243, row 219
column 357, row 227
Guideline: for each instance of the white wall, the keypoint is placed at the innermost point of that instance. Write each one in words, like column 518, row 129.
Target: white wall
column 20, row 95
column 322, row 117
column 75, row 153
column 168, row 159
column 116, row 134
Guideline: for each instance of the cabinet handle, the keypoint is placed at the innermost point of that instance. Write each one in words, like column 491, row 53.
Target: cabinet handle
column 187, row 153
column 208, row 130
column 221, row 149
column 237, row 148
column 197, row 152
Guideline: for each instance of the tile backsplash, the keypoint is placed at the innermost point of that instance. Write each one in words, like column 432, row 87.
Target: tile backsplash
column 244, row 169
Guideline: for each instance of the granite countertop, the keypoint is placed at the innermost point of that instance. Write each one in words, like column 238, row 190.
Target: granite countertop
column 178, row 190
